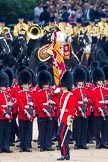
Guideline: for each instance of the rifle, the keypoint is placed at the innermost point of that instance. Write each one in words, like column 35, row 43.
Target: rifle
column 9, row 108
column 50, row 105
column 30, row 109
column 84, row 109
column 103, row 110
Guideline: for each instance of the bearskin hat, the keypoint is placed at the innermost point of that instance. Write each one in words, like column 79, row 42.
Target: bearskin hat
column 41, row 66
column 9, row 72
column 67, row 80
column 44, row 77
column 14, row 71
column 19, row 69
column 79, row 75
column 105, row 70
column 50, row 70
column 98, row 75
column 103, row 63
column 24, row 77
column 34, row 82
column 4, row 79
column 87, row 73
column 94, row 64
column 79, row 20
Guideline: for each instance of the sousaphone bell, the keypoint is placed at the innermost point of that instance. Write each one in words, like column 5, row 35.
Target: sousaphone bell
column 35, row 32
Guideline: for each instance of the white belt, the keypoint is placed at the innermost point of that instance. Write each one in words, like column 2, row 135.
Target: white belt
column 4, row 105
column 80, row 102
column 101, row 101
column 45, row 104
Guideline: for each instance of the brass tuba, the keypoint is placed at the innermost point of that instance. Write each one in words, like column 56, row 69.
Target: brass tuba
column 34, row 32
column 6, row 33
column 6, row 29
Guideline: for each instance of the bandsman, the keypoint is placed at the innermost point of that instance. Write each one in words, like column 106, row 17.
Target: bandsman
column 78, row 28
column 20, row 27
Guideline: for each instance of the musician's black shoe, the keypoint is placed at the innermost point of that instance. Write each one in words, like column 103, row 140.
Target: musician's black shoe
column 22, row 150
column 7, row 151
column 104, row 146
column 42, row 150
column 76, row 147
column 98, row 146
column 64, row 158
column 28, row 150
column 50, row 149
column 85, row 147
column 0, row 150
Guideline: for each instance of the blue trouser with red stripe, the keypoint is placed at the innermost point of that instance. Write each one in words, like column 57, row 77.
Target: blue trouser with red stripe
column 61, row 132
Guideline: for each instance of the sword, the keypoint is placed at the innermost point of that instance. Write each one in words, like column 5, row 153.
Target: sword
column 68, row 124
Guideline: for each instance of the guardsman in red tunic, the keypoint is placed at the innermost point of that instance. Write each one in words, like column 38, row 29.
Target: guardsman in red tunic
column 45, row 106
column 6, row 108
column 26, row 103
column 82, row 94
column 91, row 126
column 9, row 72
column 105, row 69
column 67, row 107
column 100, row 108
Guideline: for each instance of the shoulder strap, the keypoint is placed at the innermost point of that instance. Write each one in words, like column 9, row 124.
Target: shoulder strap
column 64, row 106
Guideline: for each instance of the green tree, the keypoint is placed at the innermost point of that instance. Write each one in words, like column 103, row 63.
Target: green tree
column 9, row 9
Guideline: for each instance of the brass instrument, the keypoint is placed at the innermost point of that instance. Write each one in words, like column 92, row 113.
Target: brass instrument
column 6, row 33
column 5, row 29
column 45, row 52
column 52, row 28
column 34, row 32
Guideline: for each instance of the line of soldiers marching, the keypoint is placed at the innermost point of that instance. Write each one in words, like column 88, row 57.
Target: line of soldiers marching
column 81, row 99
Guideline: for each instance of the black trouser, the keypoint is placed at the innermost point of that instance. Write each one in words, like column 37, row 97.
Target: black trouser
column 81, row 130
column 91, row 127
column 55, row 127
column 5, row 134
column 25, row 127
column 45, row 132
column 65, row 146
column 14, row 129
column 101, row 130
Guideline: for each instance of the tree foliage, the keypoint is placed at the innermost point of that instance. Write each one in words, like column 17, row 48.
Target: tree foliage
column 9, row 9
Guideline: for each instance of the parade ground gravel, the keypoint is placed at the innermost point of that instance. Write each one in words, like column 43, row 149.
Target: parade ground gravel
column 91, row 155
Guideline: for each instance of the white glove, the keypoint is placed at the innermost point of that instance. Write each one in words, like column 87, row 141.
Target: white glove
column 7, row 116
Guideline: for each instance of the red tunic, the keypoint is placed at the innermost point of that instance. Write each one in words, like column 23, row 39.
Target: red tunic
column 70, row 106
column 79, row 95
column 22, row 101
column 3, row 105
column 42, row 102
column 98, row 99
column 14, row 90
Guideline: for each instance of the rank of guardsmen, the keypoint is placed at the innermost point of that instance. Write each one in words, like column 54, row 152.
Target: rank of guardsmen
column 75, row 112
